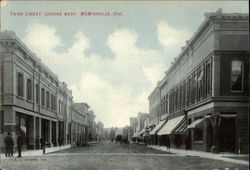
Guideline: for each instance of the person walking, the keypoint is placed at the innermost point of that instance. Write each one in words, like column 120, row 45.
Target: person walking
column 19, row 144
column 8, row 144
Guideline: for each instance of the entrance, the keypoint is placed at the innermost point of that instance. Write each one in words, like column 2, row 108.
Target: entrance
column 227, row 135
column 22, row 126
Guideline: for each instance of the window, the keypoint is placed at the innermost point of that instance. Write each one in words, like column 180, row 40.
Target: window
column 237, row 76
column 52, row 101
column 29, row 89
column 208, row 79
column 43, row 97
column 59, row 106
column 37, row 93
column 47, row 99
column 19, row 84
column 166, row 104
column 198, row 134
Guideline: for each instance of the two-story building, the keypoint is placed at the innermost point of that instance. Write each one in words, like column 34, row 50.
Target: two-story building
column 33, row 101
column 207, row 87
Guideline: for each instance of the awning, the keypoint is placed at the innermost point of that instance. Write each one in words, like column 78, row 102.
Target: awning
column 170, row 125
column 135, row 135
column 196, row 124
column 157, row 127
column 142, row 132
column 181, row 128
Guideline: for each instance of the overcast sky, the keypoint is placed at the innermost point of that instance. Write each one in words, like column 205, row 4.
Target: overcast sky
column 111, row 62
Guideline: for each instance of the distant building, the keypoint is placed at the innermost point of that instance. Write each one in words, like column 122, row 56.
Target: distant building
column 99, row 131
column 79, row 126
column 90, row 130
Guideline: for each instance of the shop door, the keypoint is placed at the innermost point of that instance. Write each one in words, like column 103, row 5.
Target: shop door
column 227, row 135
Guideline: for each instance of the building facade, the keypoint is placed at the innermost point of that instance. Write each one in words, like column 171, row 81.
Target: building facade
column 33, row 101
column 206, row 89
column 78, row 126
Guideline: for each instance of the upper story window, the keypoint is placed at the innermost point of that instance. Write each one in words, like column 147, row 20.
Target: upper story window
column 37, row 93
column 19, row 84
column 47, row 99
column 29, row 89
column 43, row 97
column 237, row 75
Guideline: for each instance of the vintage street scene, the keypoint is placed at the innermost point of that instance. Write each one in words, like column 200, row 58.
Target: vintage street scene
column 124, row 85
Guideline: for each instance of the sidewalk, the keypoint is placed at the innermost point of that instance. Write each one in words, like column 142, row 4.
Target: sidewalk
column 221, row 156
column 37, row 152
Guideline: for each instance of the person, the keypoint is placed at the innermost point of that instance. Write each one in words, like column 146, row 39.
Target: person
column 168, row 142
column 9, row 144
column 19, row 144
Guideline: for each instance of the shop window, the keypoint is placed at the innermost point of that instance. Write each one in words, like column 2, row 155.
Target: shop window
column 29, row 89
column 198, row 134
column 19, row 84
column 237, row 76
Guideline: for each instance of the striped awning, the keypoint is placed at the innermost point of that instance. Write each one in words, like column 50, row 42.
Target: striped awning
column 142, row 132
column 196, row 124
column 181, row 128
column 171, row 125
column 158, row 127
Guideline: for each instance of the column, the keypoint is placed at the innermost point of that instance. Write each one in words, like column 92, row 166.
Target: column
column 38, row 131
column 32, row 132
column 50, row 132
column 57, row 130
column 216, row 136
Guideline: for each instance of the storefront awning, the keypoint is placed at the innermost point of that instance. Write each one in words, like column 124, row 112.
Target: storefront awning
column 158, row 127
column 181, row 128
column 142, row 132
column 196, row 124
column 135, row 135
column 170, row 125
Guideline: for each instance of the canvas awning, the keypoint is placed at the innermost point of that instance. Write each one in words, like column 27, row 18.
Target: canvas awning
column 158, row 127
column 181, row 128
column 135, row 135
column 196, row 124
column 142, row 132
column 170, row 125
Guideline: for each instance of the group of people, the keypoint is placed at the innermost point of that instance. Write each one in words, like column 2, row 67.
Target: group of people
column 9, row 143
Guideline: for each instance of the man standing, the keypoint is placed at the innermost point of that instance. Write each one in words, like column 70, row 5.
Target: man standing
column 8, row 144
column 19, row 144
column 11, row 145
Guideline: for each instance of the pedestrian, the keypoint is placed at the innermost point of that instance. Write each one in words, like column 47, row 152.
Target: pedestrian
column 11, row 145
column 19, row 144
column 168, row 142
column 8, row 144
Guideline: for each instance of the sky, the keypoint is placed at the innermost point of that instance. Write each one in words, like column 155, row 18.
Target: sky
column 111, row 62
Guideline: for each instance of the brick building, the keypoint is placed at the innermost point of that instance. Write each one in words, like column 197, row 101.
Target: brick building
column 33, row 100
column 205, row 92
column 78, row 126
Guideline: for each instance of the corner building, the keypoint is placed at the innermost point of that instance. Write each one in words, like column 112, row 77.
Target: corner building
column 205, row 92
column 33, row 100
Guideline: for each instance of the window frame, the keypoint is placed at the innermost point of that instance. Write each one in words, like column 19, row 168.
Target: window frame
column 242, row 76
